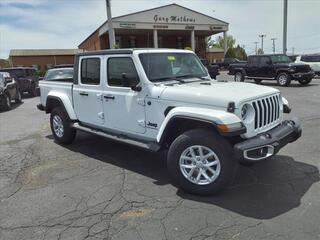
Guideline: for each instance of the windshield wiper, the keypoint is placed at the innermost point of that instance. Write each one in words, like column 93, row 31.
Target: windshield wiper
column 168, row 79
column 192, row 76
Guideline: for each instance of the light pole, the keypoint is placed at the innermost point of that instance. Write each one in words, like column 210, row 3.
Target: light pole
column 110, row 28
column 285, row 17
column 262, row 36
column 273, row 44
column 256, row 48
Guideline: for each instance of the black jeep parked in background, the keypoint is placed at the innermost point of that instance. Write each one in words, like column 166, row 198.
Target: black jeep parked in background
column 26, row 78
column 272, row 67
column 213, row 69
column 9, row 91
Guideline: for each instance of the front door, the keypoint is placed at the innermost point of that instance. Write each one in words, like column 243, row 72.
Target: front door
column 87, row 94
column 252, row 66
column 124, row 108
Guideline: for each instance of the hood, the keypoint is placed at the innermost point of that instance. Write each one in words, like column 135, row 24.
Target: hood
column 216, row 93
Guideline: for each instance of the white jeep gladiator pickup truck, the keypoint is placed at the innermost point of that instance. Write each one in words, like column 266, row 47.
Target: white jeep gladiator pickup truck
column 160, row 99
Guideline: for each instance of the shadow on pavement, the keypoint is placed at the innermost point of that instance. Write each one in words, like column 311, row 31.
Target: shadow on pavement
column 13, row 106
column 263, row 191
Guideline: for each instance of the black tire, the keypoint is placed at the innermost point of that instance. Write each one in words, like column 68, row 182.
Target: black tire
column 305, row 81
column 257, row 81
column 283, row 79
column 214, row 142
column 18, row 97
column 7, row 102
column 32, row 90
column 238, row 77
column 68, row 133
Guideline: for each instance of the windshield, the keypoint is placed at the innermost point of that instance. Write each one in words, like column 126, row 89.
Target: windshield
column 280, row 59
column 171, row 66
column 14, row 72
column 58, row 74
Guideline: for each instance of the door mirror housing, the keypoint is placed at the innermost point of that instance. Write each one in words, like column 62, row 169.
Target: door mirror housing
column 136, row 88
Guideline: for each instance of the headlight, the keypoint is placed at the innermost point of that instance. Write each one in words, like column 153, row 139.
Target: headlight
column 244, row 112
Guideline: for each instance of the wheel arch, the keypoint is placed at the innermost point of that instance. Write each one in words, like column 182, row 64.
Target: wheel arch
column 181, row 119
column 60, row 101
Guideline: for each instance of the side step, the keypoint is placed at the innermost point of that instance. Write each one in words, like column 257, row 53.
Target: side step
column 151, row 146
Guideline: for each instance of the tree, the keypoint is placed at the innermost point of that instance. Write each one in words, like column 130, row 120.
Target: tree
column 260, row 51
column 219, row 42
column 236, row 52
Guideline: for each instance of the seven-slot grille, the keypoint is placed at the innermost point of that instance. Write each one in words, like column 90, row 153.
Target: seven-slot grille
column 267, row 111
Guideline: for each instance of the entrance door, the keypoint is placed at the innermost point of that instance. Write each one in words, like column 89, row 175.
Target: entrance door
column 123, row 107
column 87, row 94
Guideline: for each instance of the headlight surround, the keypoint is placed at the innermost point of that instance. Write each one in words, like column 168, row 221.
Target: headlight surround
column 284, row 101
column 247, row 113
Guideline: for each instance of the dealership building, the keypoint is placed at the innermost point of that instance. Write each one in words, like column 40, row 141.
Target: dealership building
column 169, row 26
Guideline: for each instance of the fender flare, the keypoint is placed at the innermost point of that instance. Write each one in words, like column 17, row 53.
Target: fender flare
column 65, row 102
column 203, row 115
column 243, row 71
column 282, row 70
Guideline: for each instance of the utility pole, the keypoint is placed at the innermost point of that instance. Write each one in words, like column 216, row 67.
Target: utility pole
column 285, row 17
column 110, row 28
column 256, row 48
column 262, row 36
column 273, row 44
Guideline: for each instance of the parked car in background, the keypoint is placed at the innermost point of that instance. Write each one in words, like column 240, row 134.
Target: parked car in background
column 213, row 69
column 313, row 60
column 227, row 61
column 9, row 91
column 59, row 74
column 272, row 67
column 26, row 78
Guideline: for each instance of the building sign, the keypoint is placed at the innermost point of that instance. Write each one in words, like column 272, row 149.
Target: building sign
column 216, row 28
column 127, row 25
column 173, row 19
column 160, row 26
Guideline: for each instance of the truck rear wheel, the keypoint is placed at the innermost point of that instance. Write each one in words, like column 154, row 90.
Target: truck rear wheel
column 305, row 81
column 7, row 102
column 60, row 126
column 201, row 162
column 238, row 77
column 283, row 79
column 33, row 90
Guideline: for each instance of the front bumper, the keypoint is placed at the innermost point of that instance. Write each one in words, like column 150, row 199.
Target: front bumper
column 268, row 143
column 307, row 75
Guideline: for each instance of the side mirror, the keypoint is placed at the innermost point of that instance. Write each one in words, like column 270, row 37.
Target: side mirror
column 136, row 88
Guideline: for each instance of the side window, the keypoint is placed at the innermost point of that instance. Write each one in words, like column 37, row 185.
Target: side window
column 264, row 60
column 90, row 71
column 254, row 60
column 122, row 72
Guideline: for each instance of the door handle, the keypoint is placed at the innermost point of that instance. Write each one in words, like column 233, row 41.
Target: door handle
column 83, row 94
column 109, row 97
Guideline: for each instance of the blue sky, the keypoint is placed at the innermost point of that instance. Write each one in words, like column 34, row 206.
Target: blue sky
column 26, row 24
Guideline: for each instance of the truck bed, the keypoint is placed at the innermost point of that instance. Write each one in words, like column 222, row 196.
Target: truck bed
column 47, row 87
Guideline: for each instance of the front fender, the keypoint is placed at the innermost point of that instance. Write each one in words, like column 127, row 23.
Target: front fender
column 202, row 114
column 65, row 102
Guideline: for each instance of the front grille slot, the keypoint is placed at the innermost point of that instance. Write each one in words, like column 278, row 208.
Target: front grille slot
column 267, row 111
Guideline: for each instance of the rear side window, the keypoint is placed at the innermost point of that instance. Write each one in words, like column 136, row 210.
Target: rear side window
column 90, row 71
column 309, row 58
column 264, row 60
column 122, row 72
column 253, row 60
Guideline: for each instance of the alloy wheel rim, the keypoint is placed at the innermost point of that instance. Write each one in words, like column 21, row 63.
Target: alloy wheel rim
column 8, row 101
column 238, row 77
column 282, row 79
column 58, row 126
column 200, row 165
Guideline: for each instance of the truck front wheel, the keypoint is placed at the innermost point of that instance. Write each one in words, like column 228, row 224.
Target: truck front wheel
column 60, row 126
column 201, row 162
column 305, row 81
column 238, row 77
column 283, row 79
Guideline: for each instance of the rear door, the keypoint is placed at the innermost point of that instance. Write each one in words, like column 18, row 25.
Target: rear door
column 252, row 66
column 87, row 94
column 266, row 68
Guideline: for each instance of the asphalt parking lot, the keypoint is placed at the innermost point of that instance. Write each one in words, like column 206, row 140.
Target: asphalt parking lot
column 98, row 189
